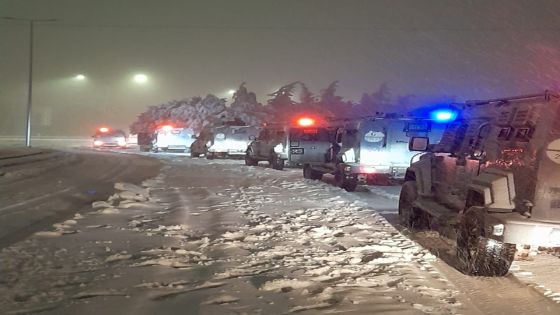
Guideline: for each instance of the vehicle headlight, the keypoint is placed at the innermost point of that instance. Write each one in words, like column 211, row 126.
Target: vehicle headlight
column 349, row 156
column 279, row 148
column 97, row 142
column 498, row 230
column 121, row 142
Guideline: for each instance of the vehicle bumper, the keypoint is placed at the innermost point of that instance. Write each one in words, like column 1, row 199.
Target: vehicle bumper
column 365, row 171
column 518, row 229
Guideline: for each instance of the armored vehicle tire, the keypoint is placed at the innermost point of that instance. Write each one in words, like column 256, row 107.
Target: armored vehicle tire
column 310, row 173
column 345, row 183
column 276, row 163
column 410, row 216
column 481, row 256
column 249, row 161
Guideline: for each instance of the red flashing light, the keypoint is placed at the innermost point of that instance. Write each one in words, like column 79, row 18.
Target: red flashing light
column 306, row 122
column 167, row 128
column 104, row 129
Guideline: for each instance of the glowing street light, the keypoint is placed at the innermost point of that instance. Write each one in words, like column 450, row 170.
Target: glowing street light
column 80, row 77
column 231, row 92
column 140, row 78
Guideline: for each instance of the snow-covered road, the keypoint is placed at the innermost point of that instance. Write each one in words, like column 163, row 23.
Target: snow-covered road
column 218, row 237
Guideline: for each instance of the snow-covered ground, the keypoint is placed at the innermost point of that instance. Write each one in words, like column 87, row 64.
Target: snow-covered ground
column 218, row 237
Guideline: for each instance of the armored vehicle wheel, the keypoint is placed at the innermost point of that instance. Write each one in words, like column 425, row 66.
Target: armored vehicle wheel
column 276, row 163
column 249, row 161
column 346, row 183
column 310, row 173
column 410, row 216
column 481, row 256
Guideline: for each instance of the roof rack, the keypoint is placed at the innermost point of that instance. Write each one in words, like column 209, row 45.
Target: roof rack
column 547, row 95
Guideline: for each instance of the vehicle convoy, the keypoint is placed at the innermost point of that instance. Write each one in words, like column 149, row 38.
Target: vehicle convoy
column 271, row 145
column 169, row 138
column 360, row 151
column 493, row 181
column 231, row 141
column 106, row 137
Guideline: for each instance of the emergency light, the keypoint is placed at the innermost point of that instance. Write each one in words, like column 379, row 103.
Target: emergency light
column 167, row 127
column 306, row 122
column 444, row 115
column 104, row 129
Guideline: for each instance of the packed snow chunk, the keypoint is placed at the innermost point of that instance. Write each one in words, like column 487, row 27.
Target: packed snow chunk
column 117, row 257
column 376, row 248
column 221, row 299
column 285, row 285
column 234, row 236
column 49, row 233
column 101, row 204
column 129, row 195
column 109, row 211
column 90, row 294
column 303, row 308
column 132, row 188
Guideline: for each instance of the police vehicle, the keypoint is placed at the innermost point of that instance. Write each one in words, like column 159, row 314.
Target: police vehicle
column 271, row 145
column 362, row 151
column 492, row 182
column 106, row 137
column 231, row 141
column 170, row 138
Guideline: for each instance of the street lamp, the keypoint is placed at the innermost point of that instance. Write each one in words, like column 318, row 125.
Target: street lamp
column 140, row 78
column 80, row 77
column 30, row 82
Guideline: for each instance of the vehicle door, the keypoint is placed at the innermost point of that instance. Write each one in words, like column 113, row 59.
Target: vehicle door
column 259, row 143
column 309, row 145
column 373, row 143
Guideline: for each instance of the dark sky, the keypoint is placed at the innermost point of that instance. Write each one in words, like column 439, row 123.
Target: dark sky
column 465, row 48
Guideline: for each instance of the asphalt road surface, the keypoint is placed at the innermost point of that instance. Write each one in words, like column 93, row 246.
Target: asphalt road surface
column 34, row 195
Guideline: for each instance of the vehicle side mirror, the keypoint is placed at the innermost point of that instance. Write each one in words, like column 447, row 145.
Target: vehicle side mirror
column 420, row 144
column 252, row 138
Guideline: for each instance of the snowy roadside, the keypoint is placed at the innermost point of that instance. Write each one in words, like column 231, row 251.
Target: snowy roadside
column 218, row 238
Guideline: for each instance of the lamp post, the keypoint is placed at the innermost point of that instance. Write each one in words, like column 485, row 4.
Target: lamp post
column 30, row 82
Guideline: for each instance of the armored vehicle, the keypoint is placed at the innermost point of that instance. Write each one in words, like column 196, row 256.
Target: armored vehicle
column 492, row 182
column 231, row 141
column 363, row 150
column 271, row 145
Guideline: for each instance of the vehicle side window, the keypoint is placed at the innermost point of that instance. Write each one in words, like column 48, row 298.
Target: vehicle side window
column 523, row 134
column 504, row 133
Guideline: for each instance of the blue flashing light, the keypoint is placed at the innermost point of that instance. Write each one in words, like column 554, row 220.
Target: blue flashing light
column 444, row 115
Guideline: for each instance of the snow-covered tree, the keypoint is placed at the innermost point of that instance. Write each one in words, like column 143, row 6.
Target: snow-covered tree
column 333, row 105
column 246, row 108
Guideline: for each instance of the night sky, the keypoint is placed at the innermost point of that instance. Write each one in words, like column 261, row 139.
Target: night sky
column 467, row 49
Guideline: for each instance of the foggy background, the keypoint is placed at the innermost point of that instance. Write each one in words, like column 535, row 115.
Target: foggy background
column 469, row 49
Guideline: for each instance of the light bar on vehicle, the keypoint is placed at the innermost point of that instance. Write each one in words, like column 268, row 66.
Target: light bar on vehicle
column 306, row 122
column 444, row 115
column 167, row 127
column 104, row 129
